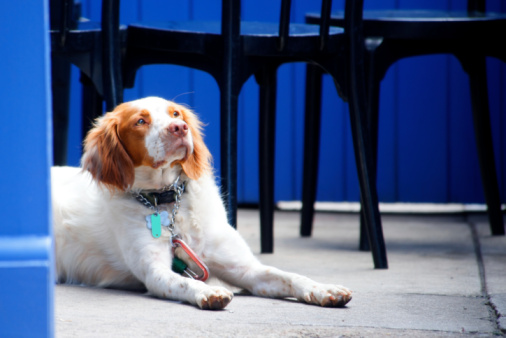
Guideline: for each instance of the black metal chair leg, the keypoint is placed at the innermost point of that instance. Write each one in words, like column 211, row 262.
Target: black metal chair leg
column 483, row 133
column 111, row 53
column 266, row 78
column 363, row 244
column 230, row 86
column 60, row 75
column 92, row 104
column 368, row 191
column 372, row 118
column 364, row 162
column 357, row 96
column 228, row 136
column 311, row 147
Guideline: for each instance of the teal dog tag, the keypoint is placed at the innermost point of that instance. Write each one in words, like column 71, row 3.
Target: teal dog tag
column 156, row 225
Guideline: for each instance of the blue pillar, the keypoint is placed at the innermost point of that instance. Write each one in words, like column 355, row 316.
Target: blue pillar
column 26, row 249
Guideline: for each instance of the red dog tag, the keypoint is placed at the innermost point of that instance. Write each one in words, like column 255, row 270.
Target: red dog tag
column 203, row 275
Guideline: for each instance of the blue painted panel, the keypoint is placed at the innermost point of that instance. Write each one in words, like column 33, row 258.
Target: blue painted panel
column 26, row 294
column 247, row 152
column 497, row 89
column 465, row 181
column 387, row 146
column 422, row 131
column 288, row 134
column 206, row 103
column 25, row 146
column 334, row 124
column 26, row 281
column 74, row 132
column 26, row 286
column 423, row 4
column 501, row 147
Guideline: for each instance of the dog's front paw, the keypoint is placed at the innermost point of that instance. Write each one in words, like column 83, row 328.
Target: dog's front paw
column 327, row 295
column 214, row 298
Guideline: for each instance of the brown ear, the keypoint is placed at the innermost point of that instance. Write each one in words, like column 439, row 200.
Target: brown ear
column 199, row 161
column 105, row 157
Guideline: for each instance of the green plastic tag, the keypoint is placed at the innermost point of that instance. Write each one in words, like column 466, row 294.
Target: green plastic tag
column 156, row 225
column 178, row 265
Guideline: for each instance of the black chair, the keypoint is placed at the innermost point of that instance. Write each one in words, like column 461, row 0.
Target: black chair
column 232, row 51
column 95, row 48
column 395, row 34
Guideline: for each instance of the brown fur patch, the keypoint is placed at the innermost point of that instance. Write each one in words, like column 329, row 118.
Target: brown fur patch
column 105, row 156
column 199, row 161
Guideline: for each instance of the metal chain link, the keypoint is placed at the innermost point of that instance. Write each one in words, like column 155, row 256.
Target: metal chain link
column 178, row 189
column 144, row 201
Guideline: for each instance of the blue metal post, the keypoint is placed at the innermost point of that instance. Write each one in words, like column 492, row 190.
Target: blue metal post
column 26, row 249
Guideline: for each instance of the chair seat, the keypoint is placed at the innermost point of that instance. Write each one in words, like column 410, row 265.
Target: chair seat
column 202, row 37
column 82, row 38
column 413, row 24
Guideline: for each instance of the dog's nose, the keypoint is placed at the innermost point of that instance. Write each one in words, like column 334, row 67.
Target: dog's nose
column 178, row 128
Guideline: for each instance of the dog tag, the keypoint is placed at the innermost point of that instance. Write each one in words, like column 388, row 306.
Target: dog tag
column 156, row 225
column 164, row 220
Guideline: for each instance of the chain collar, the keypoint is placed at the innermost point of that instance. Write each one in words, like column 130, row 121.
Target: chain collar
column 178, row 264
column 168, row 194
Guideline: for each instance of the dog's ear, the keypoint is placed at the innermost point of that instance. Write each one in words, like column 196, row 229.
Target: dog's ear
column 199, row 161
column 104, row 155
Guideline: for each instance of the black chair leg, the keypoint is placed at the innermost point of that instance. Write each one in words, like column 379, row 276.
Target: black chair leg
column 92, row 104
column 483, row 133
column 311, row 147
column 111, row 53
column 357, row 96
column 368, row 190
column 230, row 87
column 60, row 77
column 363, row 244
column 228, row 143
column 372, row 118
column 266, row 78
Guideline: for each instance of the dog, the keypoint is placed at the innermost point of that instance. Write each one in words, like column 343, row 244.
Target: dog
column 144, row 200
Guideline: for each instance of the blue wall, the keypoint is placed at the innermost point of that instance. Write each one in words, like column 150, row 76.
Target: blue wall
column 426, row 149
column 26, row 268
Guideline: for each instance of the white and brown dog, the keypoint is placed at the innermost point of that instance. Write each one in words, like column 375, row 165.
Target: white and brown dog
column 112, row 217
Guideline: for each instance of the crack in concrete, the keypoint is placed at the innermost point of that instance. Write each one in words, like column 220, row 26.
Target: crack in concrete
column 494, row 314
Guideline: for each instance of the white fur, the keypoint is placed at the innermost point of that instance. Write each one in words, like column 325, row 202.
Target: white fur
column 102, row 239
column 156, row 146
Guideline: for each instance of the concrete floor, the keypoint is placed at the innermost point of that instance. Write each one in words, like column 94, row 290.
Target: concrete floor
column 446, row 277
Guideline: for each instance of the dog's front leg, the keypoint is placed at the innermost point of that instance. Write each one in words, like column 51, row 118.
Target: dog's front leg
column 161, row 281
column 152, row 264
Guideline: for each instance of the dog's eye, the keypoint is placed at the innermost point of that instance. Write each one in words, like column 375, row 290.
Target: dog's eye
column 176, row 113
column 140, row 122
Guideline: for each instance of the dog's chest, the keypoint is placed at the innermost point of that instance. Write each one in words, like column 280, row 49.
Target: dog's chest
column 188, row 228
column 180, row 223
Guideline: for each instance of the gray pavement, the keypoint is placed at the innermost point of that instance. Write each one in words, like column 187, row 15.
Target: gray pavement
column 446, row 277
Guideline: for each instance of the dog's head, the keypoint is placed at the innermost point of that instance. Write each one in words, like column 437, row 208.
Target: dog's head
column 148, row 133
